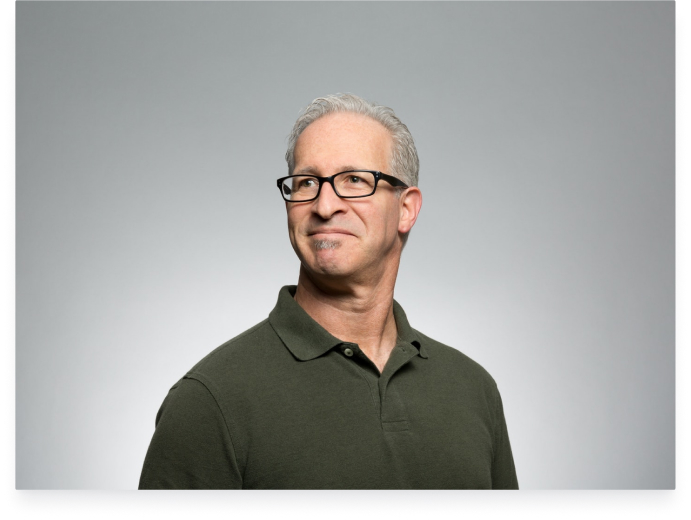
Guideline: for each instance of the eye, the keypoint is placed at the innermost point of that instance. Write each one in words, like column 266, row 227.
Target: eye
column 354, row 179
column 307, row 183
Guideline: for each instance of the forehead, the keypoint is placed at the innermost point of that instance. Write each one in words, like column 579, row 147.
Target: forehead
column 344, row 139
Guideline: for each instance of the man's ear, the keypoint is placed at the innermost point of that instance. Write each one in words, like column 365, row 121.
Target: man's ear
column 410, row 204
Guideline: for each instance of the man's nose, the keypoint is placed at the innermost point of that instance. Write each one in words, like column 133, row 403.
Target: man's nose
column 328, row 203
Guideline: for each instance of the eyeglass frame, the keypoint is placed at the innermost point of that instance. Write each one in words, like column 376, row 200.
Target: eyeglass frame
column 393, row 181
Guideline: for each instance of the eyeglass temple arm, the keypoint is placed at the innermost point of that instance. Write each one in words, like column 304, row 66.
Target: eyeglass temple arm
column 393, row 180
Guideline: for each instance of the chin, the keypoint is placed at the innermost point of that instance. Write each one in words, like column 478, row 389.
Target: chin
column 326, row 257
column 329, row 265
column 328, row 262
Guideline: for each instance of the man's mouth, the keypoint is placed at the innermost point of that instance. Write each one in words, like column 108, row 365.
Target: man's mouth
column 329, row 232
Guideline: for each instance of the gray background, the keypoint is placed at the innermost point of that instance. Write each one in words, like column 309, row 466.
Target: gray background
column 149, row 229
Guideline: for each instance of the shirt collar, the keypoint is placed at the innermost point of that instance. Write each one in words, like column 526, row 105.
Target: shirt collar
column 306, row 339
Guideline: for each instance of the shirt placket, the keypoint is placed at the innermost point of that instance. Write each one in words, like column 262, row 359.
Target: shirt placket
column 389, row 406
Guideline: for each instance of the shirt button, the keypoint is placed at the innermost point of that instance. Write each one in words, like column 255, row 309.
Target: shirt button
column 348, row 352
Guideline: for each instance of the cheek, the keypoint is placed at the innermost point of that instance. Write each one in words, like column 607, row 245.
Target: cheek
column 293, row 220
column 390, row 220
column 382, row 226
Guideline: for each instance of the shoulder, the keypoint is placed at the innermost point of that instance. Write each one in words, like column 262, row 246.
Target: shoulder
column 454, row 363
column 243, row 354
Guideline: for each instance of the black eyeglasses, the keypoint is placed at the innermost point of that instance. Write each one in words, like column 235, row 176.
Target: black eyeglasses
column 351, row 184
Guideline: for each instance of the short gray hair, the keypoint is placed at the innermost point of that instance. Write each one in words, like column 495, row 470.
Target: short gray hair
column 404, row 162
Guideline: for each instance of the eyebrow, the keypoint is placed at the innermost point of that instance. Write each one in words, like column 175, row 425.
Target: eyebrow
column 311, row 170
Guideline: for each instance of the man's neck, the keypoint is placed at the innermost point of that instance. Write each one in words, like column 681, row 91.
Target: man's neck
column 361, row 314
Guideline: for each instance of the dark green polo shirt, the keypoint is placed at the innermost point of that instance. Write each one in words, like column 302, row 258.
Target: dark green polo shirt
column 286, row 405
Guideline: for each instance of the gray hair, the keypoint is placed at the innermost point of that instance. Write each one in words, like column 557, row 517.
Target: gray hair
column 404, row 162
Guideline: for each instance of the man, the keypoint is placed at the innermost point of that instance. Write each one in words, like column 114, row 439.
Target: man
column 335, row 389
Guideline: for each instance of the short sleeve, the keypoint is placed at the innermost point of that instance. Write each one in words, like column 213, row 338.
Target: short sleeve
column 503, row 469
column 191, row 447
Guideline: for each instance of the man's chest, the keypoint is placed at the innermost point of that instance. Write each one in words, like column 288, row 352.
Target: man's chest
column 354, row 432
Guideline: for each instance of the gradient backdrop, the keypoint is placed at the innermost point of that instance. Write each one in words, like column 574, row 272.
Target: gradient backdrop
column 150, row 230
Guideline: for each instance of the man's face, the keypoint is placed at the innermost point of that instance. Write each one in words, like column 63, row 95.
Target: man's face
column 344, row 237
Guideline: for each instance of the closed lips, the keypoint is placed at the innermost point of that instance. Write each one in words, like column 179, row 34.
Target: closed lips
column 330, row 231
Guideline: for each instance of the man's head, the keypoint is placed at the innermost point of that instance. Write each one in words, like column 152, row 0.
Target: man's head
column 358, row 238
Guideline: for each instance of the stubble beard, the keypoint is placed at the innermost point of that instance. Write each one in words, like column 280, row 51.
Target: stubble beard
column 326, row 244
